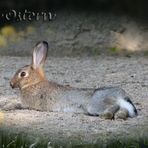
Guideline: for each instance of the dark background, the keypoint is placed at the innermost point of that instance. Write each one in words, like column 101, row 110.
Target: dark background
column 132, row 7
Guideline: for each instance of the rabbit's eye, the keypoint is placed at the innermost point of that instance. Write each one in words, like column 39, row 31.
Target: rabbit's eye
column 23, row 74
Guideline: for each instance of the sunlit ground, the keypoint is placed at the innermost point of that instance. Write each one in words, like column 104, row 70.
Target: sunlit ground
column 130, row 39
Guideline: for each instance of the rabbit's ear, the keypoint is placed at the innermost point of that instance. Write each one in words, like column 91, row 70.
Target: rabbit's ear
column 39, row 54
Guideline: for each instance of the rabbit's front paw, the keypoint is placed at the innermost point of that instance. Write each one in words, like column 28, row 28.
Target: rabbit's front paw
column 10, row 105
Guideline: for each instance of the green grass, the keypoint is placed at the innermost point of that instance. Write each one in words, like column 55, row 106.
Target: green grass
column 20, row 141
column 13, row 141
column 114, row 49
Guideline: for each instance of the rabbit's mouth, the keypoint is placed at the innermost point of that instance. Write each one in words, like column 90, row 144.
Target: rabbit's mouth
column 13, row 85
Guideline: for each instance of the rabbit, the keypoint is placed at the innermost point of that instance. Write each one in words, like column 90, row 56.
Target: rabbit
column 38, row 93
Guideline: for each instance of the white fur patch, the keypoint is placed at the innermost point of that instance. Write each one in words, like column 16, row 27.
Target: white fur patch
column 126, row 105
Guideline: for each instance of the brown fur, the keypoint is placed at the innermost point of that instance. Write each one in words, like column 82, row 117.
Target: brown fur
column 40, row 94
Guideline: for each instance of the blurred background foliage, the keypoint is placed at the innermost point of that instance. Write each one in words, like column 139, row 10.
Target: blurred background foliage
column 9, row 33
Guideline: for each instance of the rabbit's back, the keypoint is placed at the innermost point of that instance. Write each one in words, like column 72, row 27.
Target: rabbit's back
column 73, row 100
column 49, row 96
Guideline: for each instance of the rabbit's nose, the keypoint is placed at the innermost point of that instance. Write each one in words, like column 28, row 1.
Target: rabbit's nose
column 11, row 84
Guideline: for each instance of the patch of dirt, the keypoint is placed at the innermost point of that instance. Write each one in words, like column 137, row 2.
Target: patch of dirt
column 129, row 73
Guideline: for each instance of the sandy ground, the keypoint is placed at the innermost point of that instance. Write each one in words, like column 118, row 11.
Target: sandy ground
column 129, row 73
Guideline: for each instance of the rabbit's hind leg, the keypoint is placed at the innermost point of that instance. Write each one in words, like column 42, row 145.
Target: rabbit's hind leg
column 121, row 114
column 110, row 112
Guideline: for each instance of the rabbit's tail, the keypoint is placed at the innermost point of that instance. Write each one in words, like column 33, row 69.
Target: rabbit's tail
column 127, row 104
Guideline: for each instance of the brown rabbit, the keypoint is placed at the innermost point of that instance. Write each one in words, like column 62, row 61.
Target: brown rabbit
column 40, row 94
